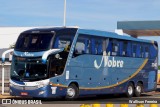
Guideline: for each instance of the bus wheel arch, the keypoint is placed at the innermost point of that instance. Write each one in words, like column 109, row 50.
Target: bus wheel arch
column 130, row 89
column 138, row 89
column 72, row 91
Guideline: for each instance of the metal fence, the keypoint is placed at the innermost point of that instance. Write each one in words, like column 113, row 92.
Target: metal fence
column 6, row 77
column 7, row 72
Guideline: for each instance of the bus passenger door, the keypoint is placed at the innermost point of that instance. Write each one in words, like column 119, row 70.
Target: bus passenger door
column 75, row 69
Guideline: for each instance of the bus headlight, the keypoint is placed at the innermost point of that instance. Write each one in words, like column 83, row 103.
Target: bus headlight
column 40, row 85
column 43, row 83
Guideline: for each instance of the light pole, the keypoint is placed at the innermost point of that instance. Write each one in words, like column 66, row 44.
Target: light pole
column 64, row 19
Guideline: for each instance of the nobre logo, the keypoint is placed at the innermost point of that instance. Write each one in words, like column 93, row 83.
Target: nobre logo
column 28, row 54
column 109, row 63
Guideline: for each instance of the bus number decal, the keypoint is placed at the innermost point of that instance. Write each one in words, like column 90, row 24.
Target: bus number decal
column 67, row 75
column 53, row 90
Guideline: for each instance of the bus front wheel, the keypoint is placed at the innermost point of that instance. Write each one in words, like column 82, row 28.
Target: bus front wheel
column 72, row 92
column 138, row 90
column 130, row 90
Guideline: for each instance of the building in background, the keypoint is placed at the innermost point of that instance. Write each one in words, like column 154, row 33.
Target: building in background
column 9, row 35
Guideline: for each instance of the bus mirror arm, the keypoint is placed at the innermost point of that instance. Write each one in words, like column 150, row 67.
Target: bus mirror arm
column 4, row 53
column 49, row 52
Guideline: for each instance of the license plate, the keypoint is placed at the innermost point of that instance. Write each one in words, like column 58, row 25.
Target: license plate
column 24, row 93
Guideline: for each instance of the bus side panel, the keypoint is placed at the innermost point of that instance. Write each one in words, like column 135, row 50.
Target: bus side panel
column 105, row 80
column 151, row 80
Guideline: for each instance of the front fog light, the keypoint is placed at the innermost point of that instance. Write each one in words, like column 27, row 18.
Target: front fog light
column 41, row 92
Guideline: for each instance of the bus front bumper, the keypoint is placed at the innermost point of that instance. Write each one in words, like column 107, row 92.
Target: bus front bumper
column 44, row 92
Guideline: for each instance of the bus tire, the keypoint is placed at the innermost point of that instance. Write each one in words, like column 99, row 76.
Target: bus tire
column 72, row 92
column 138, row 89
column 130, row 90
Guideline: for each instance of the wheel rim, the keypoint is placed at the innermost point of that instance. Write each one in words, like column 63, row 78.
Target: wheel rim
column 139, row 89
column 71, row 92
column 130, row 90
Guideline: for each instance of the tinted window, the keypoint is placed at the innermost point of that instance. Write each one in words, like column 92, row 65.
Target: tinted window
column 82, row 45
column 97, row 44
column 34, row 42
column 124, row 52
column 142, row 51
column 134, row 48
column 63, row 41
column 115, row 48
column 146, row 53
column 153, row 51
column 138, row 50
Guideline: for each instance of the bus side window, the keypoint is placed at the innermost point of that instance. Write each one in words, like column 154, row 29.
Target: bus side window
column 138, row 50
column 134, row 48
column 146, row 52
column 142, row 51
column 80, row 48
column 153, row 51
column 105, row 43
column 97, row 46
column 129, row 49
column 120, row 48
column 82, row 45
column 87, row 46
column 55, row 45
column 62, row 41
column 115, row 48
column 124, row 49
column 109, row 47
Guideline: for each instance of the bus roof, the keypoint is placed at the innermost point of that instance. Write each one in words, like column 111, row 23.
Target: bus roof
column 50, row 29
column 111, row 35
column 87, row 31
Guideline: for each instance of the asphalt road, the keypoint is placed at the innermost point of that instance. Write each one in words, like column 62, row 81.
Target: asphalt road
column 69, row 105
column 103, row 100
column 147, row 98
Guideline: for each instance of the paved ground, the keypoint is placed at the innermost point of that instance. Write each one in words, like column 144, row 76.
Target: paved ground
column 70, row 105
column 103, row 100
column 88, row 100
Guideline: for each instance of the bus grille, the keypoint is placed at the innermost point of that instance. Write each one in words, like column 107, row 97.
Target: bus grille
column 25, row 87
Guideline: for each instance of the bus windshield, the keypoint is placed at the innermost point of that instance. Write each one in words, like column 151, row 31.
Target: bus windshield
column 29, row 71
column 34, row 41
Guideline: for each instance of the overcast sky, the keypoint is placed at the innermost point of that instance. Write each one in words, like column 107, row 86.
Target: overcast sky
column 91, row 14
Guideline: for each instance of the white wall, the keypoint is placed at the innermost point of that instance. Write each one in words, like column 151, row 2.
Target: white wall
column 9, row 35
